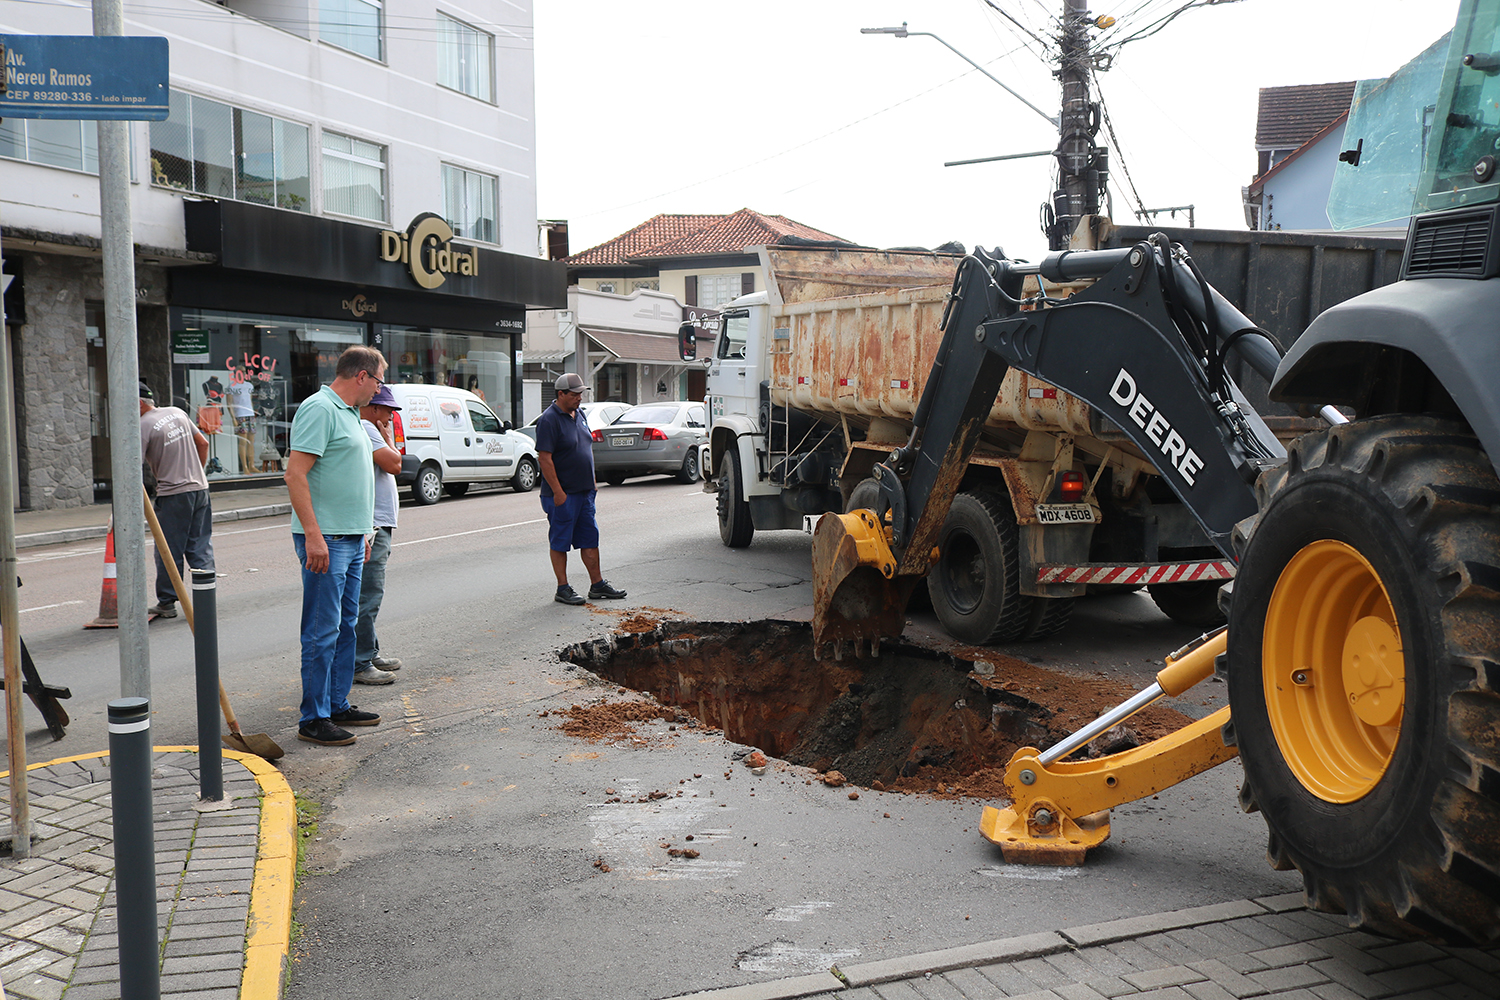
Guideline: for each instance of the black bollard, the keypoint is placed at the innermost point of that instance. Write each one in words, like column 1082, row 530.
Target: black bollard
column 206, row 660
column 135, row 847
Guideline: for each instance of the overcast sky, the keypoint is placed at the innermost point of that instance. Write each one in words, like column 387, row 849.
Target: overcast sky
column 782, row 106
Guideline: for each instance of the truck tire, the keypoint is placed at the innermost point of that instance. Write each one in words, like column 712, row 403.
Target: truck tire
column 1049, row 616
column 1361, row 673
column 1195, row 604
column 735, row 529
column 974, row 583
column 427, row 489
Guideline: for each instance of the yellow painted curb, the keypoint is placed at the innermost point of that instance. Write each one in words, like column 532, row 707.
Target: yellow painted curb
column 268, row 936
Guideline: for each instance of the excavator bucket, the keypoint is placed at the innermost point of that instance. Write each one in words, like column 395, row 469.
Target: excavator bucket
column 857, row 595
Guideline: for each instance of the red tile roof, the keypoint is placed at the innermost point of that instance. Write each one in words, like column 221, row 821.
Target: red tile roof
column 694, row 235
column 1289, row 116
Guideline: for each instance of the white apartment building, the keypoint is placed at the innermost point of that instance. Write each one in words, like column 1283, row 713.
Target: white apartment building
column 312, row 145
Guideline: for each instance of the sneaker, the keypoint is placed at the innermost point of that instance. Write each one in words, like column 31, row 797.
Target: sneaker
column 352, row 716
column 567, row 595
column 374, row 676
column 324, row 733
column 602, row 589
column 386, row 662
column 163, row 610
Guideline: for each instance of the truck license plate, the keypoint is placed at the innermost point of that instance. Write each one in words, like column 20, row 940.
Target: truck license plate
column 624, row 441
column 1065, row 513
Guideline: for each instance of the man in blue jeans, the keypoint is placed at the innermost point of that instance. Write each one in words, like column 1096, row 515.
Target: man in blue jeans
column 565, row 449
column 330, row 481
column 371, row 666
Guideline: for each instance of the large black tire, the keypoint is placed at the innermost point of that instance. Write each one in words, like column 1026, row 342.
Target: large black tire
column 1049, row 616
column 1384, row 793
column 689, row 472
column 975, row 582
column 1195, row 604
column 427, row 488
column 526, row 475
column 735, row 529
column 865, row 496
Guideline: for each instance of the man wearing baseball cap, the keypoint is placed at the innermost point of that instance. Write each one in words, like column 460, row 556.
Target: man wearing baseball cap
column 175, row 449
column 565, row 449
column 370, row 665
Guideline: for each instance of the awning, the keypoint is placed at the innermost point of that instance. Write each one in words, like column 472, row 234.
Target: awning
column 640, row 348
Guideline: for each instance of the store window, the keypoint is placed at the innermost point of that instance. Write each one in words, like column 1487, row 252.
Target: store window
column 71, row 144
column 352, row 25
column 466, row 58
column 226, row 152
column 353, row 177
column 431, row 356
column 241, row 377
column 469, row 201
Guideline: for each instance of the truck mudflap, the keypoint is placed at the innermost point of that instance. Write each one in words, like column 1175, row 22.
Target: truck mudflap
column 1136, row 573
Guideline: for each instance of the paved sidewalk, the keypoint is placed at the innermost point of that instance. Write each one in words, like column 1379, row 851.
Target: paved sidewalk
column 72, row 524
column 224, row 883
column 1269, row 947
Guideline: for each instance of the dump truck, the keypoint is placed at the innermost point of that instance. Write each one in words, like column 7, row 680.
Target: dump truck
column 818, row 377
column 1363, row 634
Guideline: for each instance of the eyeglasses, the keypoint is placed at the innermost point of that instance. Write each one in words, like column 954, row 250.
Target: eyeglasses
column 378, row 380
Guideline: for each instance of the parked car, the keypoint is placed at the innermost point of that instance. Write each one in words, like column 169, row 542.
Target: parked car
column 449, row 438
column 597, row 414
column 652, row 438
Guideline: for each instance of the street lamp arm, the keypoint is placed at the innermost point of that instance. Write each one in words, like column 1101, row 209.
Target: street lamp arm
column 904, row 32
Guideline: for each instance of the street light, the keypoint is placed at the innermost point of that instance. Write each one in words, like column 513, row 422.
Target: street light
column 902, row 32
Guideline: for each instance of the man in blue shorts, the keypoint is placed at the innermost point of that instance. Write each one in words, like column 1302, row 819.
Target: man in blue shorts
column 565, row 448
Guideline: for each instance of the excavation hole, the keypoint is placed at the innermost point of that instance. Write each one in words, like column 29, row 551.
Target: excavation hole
column 914, row 719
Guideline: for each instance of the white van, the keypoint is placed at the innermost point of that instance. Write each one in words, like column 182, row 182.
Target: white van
column 449, row 438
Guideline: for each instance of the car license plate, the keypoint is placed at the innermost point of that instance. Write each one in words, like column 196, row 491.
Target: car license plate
column 622, row 441
column 1065, row 513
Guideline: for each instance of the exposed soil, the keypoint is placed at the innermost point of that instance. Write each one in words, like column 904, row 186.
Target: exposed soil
column 913, row 720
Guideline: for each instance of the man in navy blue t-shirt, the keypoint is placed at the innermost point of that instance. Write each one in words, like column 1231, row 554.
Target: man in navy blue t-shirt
column 565, row 447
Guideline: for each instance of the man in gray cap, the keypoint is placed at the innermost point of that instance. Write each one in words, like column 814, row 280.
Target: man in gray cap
column 371, row 666
column 175, row 450
column 565, row 449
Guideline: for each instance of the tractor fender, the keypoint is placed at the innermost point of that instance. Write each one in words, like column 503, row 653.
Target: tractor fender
column 1446, row 324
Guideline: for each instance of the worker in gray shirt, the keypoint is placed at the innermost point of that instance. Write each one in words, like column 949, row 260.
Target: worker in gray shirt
column 176, row 449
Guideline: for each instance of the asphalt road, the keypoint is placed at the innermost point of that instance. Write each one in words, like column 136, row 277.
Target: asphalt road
column 458, row 840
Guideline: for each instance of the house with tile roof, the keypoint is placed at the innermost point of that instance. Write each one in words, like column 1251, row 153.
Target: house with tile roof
column 1299, row 133
column 628, row 295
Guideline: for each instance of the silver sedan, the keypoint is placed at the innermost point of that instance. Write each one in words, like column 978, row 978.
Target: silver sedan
column 652, row 439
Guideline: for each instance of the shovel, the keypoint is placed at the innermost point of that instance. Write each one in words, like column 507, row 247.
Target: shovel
column 258, row 744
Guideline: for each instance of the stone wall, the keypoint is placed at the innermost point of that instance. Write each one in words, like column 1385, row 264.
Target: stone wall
column 52, row 380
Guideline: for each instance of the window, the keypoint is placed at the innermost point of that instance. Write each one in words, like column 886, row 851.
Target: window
column 716, row 289
column 353, row 177
column 607, row 286
column 466, row 59
column 484, row 421
column 225, row 152
column 653, row 285
column 352, row 25
column 71, row 144
column 469, row 201
column 732, row 339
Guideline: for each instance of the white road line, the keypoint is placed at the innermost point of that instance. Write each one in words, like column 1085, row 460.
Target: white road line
column 476, row 531
column 44, row 607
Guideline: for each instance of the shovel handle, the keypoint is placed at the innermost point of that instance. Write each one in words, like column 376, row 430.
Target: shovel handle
column 183, row 597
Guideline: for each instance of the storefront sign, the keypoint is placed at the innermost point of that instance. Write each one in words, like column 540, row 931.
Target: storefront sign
column 360, row 307
column 77, row 77
column 190, row 347
column 426, row 251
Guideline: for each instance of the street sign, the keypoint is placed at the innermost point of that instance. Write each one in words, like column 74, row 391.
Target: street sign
column 84, row 77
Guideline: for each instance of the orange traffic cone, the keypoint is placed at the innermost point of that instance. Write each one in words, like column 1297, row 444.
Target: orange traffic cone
column 109, row 598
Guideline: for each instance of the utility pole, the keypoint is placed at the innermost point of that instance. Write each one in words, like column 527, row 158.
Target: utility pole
column 1082, row 166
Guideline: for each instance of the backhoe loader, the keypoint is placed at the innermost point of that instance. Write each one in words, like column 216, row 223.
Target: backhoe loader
column 1362, row 651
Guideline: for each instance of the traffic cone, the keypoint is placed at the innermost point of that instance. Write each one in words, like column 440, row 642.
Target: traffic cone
column 109, row 597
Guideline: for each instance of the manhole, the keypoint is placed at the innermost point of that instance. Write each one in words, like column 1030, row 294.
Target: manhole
column 913, row 719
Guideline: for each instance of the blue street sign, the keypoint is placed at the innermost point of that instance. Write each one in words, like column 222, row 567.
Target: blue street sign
column 84, row 77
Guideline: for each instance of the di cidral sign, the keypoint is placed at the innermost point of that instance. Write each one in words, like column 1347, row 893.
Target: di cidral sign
column 427, row 250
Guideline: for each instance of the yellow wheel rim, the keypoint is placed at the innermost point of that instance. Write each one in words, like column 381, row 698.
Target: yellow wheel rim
column 1334, row 671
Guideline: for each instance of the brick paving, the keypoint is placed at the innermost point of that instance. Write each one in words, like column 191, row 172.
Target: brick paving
column 57, row 908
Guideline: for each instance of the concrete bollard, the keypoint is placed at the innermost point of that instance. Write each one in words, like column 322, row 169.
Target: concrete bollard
column 135, row 847
column 206, row 663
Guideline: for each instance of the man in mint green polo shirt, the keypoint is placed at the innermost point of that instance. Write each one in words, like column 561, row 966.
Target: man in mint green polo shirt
column 331, row 483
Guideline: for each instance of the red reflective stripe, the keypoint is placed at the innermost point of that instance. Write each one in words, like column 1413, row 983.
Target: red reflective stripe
column 1137, row 574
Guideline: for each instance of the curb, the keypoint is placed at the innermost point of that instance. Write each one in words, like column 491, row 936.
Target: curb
column 1013, row 949
column 268, row 935
column 57, row 537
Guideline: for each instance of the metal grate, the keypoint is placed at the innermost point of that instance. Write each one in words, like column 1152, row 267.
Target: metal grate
column 1451, row 244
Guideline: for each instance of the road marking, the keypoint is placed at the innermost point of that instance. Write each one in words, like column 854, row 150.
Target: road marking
column 794, row 913
column 44, row 607
column 781, row 956
column 1031, row 874
column 476, row 531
